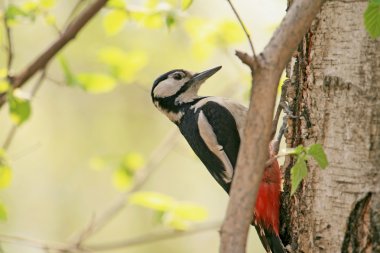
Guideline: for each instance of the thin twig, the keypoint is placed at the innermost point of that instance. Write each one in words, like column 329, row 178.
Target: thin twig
column 12, row 132
column 153, row 237
column 9, row 137
column 279, row 107
column 28, row 242
column 99, row 221
column 9, row 43
column 244, row 28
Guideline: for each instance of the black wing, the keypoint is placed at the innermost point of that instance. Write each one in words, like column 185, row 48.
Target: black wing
column 225, row 129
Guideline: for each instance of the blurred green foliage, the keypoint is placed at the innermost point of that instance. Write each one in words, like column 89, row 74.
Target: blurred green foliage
column 175, row 214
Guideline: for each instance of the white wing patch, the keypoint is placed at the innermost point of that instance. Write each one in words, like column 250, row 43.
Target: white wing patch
column 238, row 111
column 209, row 137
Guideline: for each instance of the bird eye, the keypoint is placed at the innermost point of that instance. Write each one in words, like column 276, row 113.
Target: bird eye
column 177, row 76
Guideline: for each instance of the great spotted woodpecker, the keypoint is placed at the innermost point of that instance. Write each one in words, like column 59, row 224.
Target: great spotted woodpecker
column 213, row 127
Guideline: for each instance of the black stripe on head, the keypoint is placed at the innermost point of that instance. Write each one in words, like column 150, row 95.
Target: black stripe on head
column 164, row 77
column 168, row 103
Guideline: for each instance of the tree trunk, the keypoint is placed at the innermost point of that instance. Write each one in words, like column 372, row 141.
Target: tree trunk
column 334, row 88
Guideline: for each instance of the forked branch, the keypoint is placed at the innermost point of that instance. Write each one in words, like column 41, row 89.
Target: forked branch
column 67, row 35
column 254, row 146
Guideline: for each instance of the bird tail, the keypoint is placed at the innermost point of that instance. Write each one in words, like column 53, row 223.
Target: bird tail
column 270, row 240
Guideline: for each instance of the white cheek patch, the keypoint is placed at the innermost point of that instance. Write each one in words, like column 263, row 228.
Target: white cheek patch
column 168, row 87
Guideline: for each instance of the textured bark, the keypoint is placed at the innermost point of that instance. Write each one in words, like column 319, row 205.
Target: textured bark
column 335, row 91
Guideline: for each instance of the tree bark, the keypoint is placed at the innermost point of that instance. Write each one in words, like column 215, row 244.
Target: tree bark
column 335, row 90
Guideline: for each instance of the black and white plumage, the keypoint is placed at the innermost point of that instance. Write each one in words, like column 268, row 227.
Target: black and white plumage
column 213, row 126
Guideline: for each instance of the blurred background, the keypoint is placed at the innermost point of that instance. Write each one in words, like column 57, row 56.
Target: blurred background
column 93, row 125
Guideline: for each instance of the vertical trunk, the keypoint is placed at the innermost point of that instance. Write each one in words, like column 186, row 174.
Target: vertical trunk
column 334, row 88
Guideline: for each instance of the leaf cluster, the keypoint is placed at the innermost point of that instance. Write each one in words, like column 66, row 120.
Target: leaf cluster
column 299, row 171
column 170, row 212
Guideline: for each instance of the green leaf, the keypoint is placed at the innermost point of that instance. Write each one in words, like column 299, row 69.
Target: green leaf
column 317, row 152
column 47, row 4
column 153, row 21
column 96, row 82
column 114, row 21
column 298, row 150
column 3, row 73
column 170, row 20
column 133, row 161
column 186, row 4
column 229, row 32
column 177, row 223
column 295, row 151
column 298, row 172
column 69, row 76
column 151, row 4
column 19, row 108
column 207, row 35
column 4, row 86
column 3, row 212
column 159, row 217
column 372, row 18
column 122, row 179
column 123, row 65
column 50, row 19
column 5, row 176
column 152, row 200
column 13, row 11
column 119, row 4
column 29, row 6
column 190, row 212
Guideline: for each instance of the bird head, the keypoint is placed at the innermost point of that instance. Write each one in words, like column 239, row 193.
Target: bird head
column 177, row 87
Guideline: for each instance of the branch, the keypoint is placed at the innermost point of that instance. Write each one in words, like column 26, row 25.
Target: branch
column 153, row 237
column 74, row 11
column 163, row 234
column 254, row 147
column 247, row 60
column 33, row 243
column 244, row 28
column 99, row 221
column 70, row 33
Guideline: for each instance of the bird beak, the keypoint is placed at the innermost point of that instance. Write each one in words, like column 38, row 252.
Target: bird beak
column 199, row 78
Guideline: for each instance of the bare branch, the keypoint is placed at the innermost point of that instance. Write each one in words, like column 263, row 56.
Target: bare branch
column 74, row 11
column 159, row 235
column 247, row 60
column 9, row 137
column 254, row 147
column 70, row 33
column 33, row 243
column 9, row 47
column 99, row 221
column 153, row 237
column 244, row 28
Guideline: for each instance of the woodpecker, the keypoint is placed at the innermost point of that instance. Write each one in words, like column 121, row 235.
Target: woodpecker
column 213, row 126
